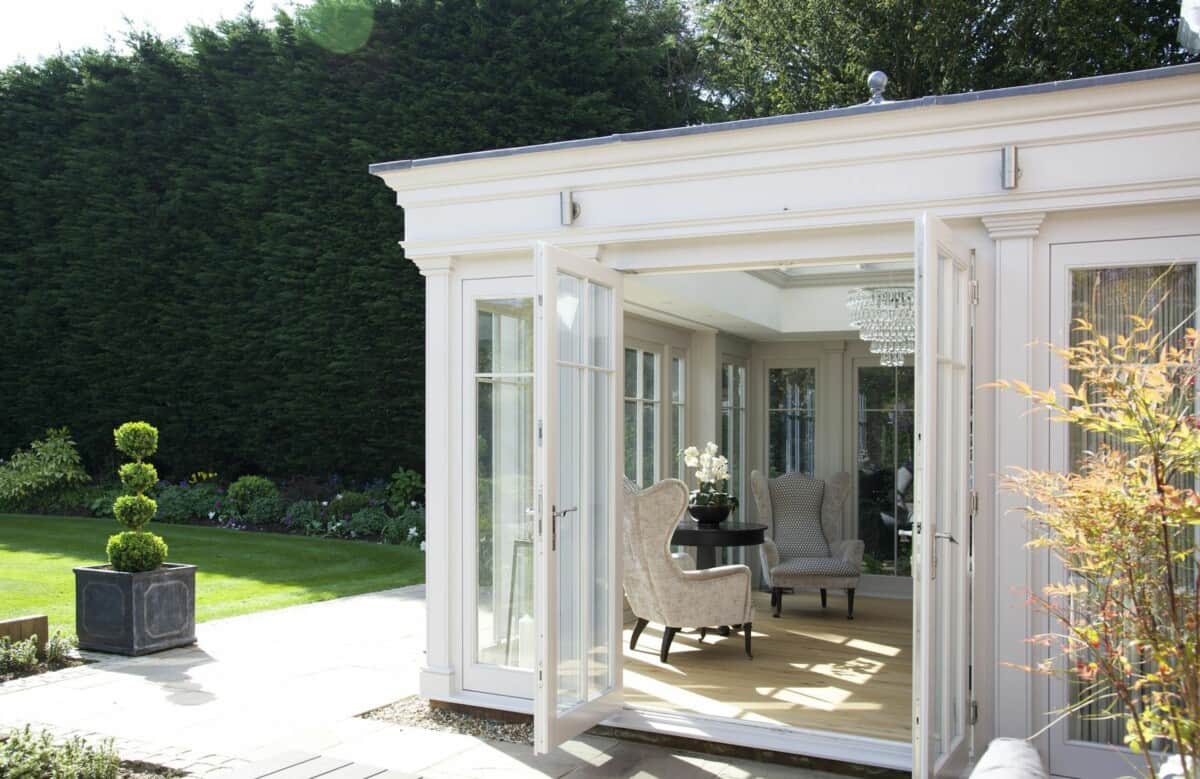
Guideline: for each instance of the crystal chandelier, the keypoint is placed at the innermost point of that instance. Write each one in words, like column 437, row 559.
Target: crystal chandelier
column 884, row 317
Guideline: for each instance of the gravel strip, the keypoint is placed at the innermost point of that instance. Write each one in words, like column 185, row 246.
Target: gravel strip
column 415, row 712
column 137, row 769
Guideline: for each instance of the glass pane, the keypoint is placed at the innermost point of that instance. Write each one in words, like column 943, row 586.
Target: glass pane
column 504, row 336
column 726, row 385
column 600, row 305
column 884, row 452
column 677, row 439
column 649, row 375
column 631, row 373
column 631, row 450
column 649, row 444
column 571, row 546
column 570, row 328
column 503, row 492
column 1107, row 297
column 601, row 488
column 677, row 380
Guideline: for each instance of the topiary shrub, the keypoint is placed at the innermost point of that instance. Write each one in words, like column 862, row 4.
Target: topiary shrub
column 264, row 510
column 136, row 550
column 247, row 489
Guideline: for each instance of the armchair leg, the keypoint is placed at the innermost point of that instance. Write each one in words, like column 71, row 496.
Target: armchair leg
column 822, row 597
column 668, row 636
column 777, row 600
column 703, row 633
column 849, row 603
column 746, row 628
column 637, row 633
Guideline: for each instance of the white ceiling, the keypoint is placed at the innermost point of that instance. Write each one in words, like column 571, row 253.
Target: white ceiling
column 763, row 305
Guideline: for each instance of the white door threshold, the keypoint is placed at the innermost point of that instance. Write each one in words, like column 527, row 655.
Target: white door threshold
column 841, row 747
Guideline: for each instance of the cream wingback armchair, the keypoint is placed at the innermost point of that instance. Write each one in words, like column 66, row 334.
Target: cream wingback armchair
column 803, row 514
column 662, row 592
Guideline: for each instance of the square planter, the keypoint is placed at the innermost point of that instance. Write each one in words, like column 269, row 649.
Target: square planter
column 135, row 613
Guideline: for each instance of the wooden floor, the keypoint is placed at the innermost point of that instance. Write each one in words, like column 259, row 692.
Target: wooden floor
column 812, row 668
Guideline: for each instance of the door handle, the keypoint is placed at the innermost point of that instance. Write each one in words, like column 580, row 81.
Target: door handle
column 554, row 515
column 947, row 536
column 904, row 533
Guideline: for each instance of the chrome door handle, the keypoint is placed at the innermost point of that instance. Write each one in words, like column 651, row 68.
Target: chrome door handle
column 946, row 536
column 564, row 512
column 904, row 533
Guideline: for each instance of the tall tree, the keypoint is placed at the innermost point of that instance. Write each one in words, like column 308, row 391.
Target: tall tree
column 188, row 233
column 776, row 56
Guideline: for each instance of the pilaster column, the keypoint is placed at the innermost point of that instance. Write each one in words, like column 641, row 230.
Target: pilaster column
column 1016, row 327
column 437, row 676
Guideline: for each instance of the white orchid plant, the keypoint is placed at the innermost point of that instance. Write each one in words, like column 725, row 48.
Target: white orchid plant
column 712, row 471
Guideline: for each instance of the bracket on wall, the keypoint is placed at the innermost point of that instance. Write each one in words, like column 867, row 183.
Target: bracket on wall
column 568, row 209
column 1010, row 171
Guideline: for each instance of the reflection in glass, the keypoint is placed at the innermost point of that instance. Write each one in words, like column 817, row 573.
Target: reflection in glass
column 884, row 446
column 504, row 482
column 791, row 420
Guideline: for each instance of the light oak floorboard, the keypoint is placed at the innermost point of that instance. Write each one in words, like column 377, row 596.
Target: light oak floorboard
column 812, row 668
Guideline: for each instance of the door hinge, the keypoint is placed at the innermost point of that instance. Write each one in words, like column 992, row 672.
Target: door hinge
column 974, row 712
column 974, row 292
column 974, row 503
column 539, row 300
column 539, row 674
column 539, row 432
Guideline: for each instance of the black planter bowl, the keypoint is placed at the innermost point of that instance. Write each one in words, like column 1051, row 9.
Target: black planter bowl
column 709, row 516
column 135, row 613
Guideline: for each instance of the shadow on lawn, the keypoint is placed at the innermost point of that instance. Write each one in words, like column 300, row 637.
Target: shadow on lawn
column 328, row 567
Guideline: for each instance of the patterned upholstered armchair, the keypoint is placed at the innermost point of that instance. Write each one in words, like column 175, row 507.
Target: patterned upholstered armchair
column 803, row 514
column 662, row 592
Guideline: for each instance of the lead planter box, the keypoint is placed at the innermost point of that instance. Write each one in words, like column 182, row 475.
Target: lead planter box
column 135, row 613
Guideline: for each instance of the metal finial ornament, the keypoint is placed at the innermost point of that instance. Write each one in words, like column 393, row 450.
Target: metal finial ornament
column 877, row 83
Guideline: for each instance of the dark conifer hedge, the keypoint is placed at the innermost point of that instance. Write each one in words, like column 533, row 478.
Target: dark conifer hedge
column 188, row 233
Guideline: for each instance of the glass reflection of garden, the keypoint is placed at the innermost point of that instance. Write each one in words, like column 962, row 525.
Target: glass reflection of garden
column 884, row 444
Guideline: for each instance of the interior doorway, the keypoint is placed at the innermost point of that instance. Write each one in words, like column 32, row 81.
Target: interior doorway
column 763, row 363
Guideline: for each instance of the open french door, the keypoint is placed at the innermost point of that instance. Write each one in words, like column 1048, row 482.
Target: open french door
column 942, row 538
column 579, row 460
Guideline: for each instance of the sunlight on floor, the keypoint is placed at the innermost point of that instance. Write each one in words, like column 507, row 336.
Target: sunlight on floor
column 812, row 668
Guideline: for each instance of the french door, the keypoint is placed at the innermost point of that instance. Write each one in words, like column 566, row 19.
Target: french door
column 942, row 510
column 577, row 471
column 1105, row 282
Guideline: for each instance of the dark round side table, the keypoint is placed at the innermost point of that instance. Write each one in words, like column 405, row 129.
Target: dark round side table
column 707, row 539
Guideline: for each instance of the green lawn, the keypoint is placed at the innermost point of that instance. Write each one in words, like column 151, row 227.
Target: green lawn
column 238, row 572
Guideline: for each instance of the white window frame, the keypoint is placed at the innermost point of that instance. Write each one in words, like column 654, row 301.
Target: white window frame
column 764, row 396
column 740, row 402
column 673, row 459
column 478, row 676
column 661, row 436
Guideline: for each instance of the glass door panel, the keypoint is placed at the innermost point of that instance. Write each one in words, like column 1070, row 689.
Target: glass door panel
column 578, row 466
column 499, row 636
column 884, row 438
column 941, row 602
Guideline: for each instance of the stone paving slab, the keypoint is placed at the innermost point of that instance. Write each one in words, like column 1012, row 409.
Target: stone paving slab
column 294, row 680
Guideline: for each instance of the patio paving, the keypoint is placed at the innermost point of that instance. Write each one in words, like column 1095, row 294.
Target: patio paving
column 291, row 681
